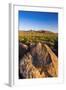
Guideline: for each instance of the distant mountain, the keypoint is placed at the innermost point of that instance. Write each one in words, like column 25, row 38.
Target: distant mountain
column 40, row 31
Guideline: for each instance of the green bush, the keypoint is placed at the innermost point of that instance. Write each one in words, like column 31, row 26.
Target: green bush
column 56, row 43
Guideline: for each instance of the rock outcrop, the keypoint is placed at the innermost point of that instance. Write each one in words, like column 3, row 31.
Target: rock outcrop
column 38, row 62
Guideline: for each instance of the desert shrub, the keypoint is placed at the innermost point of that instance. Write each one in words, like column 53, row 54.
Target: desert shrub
column 24, row 40
column 56, row 43
column 56, row 46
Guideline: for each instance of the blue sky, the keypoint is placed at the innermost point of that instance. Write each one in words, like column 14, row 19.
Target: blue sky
column 38, row 21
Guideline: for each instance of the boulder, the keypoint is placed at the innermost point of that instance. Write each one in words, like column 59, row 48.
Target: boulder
column 22, row 50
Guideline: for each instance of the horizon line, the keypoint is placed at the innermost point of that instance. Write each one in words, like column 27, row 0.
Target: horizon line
column 38, row 30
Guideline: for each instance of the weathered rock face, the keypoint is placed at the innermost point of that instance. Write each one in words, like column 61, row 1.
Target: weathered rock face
column 54, row 60
column 38, row 62
column 27, row 70
column 40, row 55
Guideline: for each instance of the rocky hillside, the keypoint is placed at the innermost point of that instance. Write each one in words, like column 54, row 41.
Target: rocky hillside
column 37, row 61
